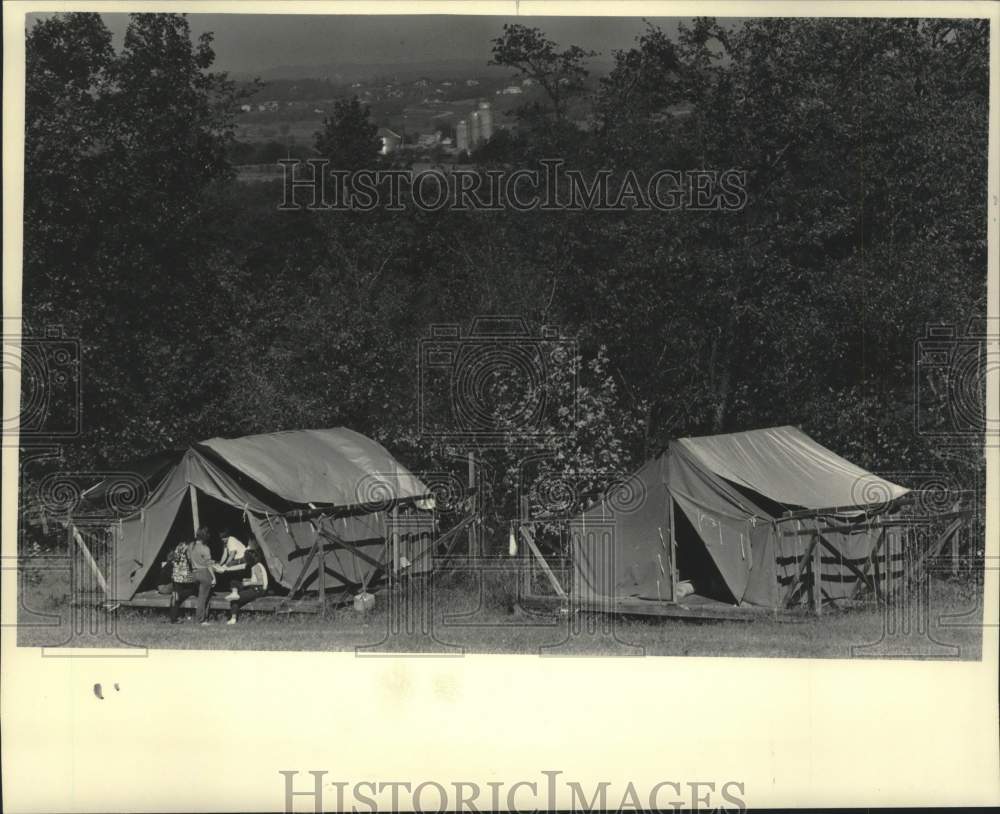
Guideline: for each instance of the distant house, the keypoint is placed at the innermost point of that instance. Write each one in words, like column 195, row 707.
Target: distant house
column 428, row 139
column 421, row 83
column 471, row 82
column 446, row 84
column 264, row 106
column 390, row 140
column 512, row 90
column 527, row 82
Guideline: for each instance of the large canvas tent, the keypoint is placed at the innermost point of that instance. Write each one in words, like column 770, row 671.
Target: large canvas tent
column 286, row 489
column 742, row 517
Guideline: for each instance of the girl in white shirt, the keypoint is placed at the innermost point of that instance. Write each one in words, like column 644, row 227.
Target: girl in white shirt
column 233, row 561
column 254, row 586
column 233, row 552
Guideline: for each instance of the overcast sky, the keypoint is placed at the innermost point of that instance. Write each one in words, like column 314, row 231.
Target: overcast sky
column 251, row 43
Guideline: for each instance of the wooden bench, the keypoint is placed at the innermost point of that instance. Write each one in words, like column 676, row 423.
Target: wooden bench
column 218, row 601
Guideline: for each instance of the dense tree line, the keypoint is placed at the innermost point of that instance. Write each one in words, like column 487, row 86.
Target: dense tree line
column 204, row 310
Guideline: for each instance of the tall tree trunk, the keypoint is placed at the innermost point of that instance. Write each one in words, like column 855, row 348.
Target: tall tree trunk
column 720, row 374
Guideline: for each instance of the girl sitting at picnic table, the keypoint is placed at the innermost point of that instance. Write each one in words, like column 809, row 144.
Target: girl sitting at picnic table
column 233, row 552
column 251, row 587
column 233, row 561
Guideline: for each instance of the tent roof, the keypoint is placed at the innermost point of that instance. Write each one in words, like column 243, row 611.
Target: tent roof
column 337, row 466
column 787, row 466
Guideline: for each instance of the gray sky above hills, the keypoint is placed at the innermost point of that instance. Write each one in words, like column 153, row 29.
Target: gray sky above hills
column 256, row 43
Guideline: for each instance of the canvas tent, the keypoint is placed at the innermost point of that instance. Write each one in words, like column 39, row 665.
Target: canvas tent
column 741, row 516
column 287, row 489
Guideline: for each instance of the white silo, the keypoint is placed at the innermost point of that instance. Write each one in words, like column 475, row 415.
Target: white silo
column 485, row 121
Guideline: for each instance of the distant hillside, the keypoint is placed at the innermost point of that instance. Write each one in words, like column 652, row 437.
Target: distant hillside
column 346, row 72
column 338, row 72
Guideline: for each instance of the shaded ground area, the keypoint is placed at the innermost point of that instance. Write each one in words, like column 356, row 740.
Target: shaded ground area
column 478, row 613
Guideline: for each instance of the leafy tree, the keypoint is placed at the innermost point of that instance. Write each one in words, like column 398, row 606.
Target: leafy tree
column 205, row 311
column 560, row 73
column 839, row 257
column 69, row 66
column 122, row 153
column 348, row 137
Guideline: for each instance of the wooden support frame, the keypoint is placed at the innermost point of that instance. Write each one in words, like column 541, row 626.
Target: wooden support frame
column 75, row 536
column 322, row 573
column 357, row 552
column 796, row 582
column 529, row 538
column 870, row 562
column 863, row 578
column 672, row 552
column 951, row 531
column 453, row 535
column 527, row 573
column 297, row 585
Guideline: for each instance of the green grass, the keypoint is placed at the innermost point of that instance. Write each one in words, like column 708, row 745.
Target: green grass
column 462, row 614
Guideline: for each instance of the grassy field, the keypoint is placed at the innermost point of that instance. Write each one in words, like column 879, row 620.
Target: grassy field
column 465, row 613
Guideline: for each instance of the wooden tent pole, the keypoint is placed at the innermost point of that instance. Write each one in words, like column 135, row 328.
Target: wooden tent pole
column 817, row 569
column 955, row 539
column 394, row 539
column 525, row 556
column 473, row 547
column 194, row 507
column 322, row 574
column 672, row 552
